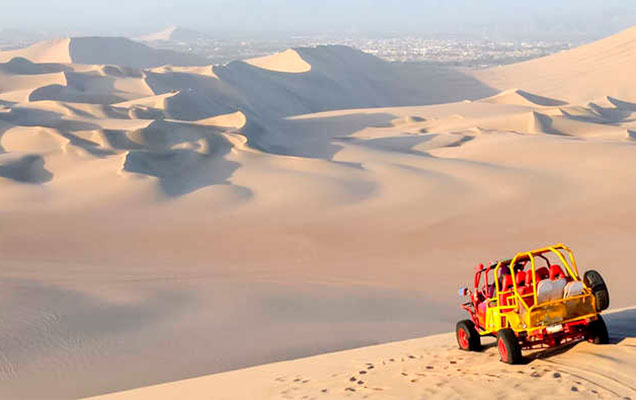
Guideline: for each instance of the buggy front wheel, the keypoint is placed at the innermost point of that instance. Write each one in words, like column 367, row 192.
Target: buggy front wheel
column 467, row 336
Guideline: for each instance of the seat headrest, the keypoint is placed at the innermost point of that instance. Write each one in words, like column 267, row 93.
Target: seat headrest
column 542, row 273
column 556, row 272
column 507, row 282
column 521, row 278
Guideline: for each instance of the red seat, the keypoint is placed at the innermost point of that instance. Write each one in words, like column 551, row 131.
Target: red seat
column 542, row 273
column 507, row 283
column 506, row 286
column 524, row 287
column 521, row 278
column 556, row 272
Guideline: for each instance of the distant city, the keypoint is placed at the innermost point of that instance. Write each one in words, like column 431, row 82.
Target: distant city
column 471, row 53
column 467, row 52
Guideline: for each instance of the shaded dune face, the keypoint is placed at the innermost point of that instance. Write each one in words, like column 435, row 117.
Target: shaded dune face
column 25, row 169
column 22, row 66
column 126, row 53
column 180, row 171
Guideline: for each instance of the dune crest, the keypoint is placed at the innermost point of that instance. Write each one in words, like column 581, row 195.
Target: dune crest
column 288, row 61
column 235, row 120
column 522, row 98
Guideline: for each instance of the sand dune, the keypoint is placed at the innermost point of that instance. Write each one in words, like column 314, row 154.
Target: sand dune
column 26, row 169
column 602, row 68
column 321, row 199
column 172, row 33
column 522, row 98
column 288, row 61
column 53, row 51
column 101, row 50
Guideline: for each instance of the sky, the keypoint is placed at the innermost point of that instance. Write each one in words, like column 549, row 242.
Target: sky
column 593, row 18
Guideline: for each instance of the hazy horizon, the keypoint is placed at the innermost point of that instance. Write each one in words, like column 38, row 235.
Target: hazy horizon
column 542, row 18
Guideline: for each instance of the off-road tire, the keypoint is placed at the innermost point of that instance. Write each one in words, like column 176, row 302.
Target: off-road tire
column 509, row 347
column 597, row 331
column 467, row 337
column 595, row 281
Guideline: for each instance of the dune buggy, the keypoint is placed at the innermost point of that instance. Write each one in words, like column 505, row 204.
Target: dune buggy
column 534, row 300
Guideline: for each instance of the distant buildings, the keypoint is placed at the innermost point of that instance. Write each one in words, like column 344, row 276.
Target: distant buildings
column 471, row 53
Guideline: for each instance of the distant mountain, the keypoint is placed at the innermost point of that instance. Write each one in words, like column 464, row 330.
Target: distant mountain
column 103, row 51
column 173, row 34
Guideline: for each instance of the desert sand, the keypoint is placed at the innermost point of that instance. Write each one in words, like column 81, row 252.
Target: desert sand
column 430, row 367
column 162, row 222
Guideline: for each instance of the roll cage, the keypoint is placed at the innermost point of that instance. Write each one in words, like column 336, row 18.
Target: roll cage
column 521, row 312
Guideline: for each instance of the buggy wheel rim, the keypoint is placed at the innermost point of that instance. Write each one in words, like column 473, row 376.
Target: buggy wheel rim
column 503, row 352
column 463, row 338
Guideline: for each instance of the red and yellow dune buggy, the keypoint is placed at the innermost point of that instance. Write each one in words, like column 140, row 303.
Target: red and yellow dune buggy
column 534, row 300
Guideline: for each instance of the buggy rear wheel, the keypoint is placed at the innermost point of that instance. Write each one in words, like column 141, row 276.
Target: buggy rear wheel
column 597, row 331
column 595, row 281
column 509, row 347
column 467, row 337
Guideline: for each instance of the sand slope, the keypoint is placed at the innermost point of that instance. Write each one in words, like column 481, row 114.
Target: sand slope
column 602, row 68
column 430, row 367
